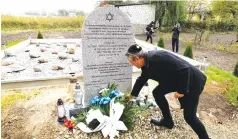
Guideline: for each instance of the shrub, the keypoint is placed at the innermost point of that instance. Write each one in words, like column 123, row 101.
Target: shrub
column 188, row 50
column 209, row 24
column 235, row 72
column 39, row 36
column 161, row 42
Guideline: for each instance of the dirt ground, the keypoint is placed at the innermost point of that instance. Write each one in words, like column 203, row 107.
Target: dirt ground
column 36, row 117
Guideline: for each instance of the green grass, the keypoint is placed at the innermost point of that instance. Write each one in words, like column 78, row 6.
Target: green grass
column 10, row 32
column 235, row 45
column 10, row 44
column 16, row 97
column 228, row 81
column 12, row 98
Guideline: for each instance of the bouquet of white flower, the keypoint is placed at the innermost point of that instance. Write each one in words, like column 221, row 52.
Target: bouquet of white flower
column 109, row 112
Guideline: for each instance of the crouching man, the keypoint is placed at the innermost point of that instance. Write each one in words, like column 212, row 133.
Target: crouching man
column 174, row 75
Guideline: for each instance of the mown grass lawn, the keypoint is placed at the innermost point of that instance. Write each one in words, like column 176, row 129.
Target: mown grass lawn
column 227, row 81
column 10, row 44
column 18, row 95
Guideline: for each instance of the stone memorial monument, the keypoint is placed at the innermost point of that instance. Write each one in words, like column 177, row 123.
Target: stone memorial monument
column 106, row 36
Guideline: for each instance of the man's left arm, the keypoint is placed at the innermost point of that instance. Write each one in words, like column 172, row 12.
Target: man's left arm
column 138, row 86
column 140, row 82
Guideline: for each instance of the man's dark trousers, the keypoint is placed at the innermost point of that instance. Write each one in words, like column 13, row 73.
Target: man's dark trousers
column 149, row 36
column 175, row 43
column 189, row 103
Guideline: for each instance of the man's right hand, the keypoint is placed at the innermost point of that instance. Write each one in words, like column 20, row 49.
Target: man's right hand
column 177, row 95
column 129, row 97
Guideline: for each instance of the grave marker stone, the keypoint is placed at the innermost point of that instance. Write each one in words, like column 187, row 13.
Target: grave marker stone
column 106, row 36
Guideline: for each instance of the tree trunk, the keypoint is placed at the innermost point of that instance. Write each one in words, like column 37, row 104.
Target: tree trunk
column 236, row 36
column 202, row 31
column 195, row 39
column 159, row 12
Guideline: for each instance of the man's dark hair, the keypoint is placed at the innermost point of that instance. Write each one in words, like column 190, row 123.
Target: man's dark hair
column 135, row 51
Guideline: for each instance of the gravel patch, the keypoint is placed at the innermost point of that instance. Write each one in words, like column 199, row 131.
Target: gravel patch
column 45, row 61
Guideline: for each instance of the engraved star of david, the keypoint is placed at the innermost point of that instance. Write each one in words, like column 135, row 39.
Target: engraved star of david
column 109, row 17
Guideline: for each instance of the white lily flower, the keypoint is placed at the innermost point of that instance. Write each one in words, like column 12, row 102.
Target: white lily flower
column 113, row 124
column 94, row 114
column 103, row 90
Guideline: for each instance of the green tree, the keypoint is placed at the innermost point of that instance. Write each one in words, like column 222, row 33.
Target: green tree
column 169, row 12
column 77, row 12
column 176, row 10
column 194, row 7
column 198, row 12
column 160, row 7
column 32, row 13
column 227, row 10
column 39, row 36
column 63, row 12
column 188, row 52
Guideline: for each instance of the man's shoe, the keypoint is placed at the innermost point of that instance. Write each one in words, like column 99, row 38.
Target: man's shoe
column 166, row 123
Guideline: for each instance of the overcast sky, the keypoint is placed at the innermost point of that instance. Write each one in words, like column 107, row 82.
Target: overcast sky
column 22, row 6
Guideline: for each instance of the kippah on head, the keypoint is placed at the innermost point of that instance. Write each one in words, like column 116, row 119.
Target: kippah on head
column 134, row 49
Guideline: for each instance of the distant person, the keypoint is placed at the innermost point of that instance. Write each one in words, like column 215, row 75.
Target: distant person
column 175, row 37
column 149, row 31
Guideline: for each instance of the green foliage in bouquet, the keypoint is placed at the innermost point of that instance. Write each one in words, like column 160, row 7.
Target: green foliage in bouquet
column 110, row 88
column 81, row 117
column 130, row 112
column 129, row 116
column 105, row 109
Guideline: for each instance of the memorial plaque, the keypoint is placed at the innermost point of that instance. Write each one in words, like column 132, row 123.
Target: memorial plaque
column 106, row 36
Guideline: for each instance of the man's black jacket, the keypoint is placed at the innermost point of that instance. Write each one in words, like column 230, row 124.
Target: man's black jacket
column 172, row 72
column 176, row 32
